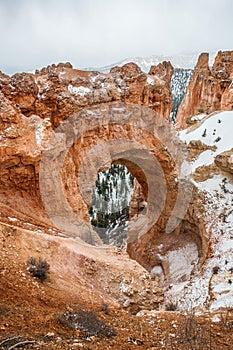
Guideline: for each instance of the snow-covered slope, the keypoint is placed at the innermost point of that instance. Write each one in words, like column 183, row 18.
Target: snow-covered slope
column 215, row 130
column 213, row 287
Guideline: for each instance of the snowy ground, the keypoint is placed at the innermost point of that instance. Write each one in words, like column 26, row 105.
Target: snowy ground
column 213, row 287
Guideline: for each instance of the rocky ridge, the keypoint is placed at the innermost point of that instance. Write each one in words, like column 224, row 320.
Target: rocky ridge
column 210, row 89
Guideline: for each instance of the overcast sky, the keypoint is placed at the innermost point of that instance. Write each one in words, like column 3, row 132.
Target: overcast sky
column 35, row 33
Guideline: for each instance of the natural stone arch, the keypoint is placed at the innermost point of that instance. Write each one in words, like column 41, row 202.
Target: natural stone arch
column 96, row 138
column 130, row 148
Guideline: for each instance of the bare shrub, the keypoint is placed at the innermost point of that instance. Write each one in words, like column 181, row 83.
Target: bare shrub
column 38, row 268
column 104, row 308
column 227, row 320
column 195, row 335
column 171, row 307
column 87, row 322
column 215, row 270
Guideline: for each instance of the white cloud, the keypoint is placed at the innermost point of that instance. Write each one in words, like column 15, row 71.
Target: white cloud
column 97, row 32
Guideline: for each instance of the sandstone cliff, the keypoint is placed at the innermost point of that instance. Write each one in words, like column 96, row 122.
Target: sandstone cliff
column 210, row 88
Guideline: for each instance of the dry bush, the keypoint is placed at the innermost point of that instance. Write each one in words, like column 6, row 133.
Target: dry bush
column 171, row 307
column 38, row 268
column 226, row 322
column 104, row 308
column 192, row 336
column 87, row 322
column 215, row 270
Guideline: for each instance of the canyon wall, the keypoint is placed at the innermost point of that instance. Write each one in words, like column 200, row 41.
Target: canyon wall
column 210, row 88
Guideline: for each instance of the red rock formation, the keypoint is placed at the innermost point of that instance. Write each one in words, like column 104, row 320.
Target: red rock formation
column 56, row 92
column 162, row 74
column 225, row 161
column 29, row 103
column 227, row 98
column 31, row 106
column 209, row 90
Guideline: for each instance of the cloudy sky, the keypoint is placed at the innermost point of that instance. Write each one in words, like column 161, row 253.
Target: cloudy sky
column 93, row 33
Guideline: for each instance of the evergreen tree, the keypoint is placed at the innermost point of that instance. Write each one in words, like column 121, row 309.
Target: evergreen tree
column 110, row 203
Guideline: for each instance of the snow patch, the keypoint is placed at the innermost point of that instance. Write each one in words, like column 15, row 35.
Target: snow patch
column 150, row 81
column 217, row 130
column 182, row 260
column 205, row 158
column 39, row 134
column 78, row 91
column 198, row 117
column 12, row 219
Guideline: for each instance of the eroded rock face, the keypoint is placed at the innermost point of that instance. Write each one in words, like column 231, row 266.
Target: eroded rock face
column 225, row 161
column 22, row 90
column 56, row 92
column 210, row 89
column 31, row 104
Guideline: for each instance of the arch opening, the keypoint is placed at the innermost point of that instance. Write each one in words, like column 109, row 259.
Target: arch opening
column 116, row 198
